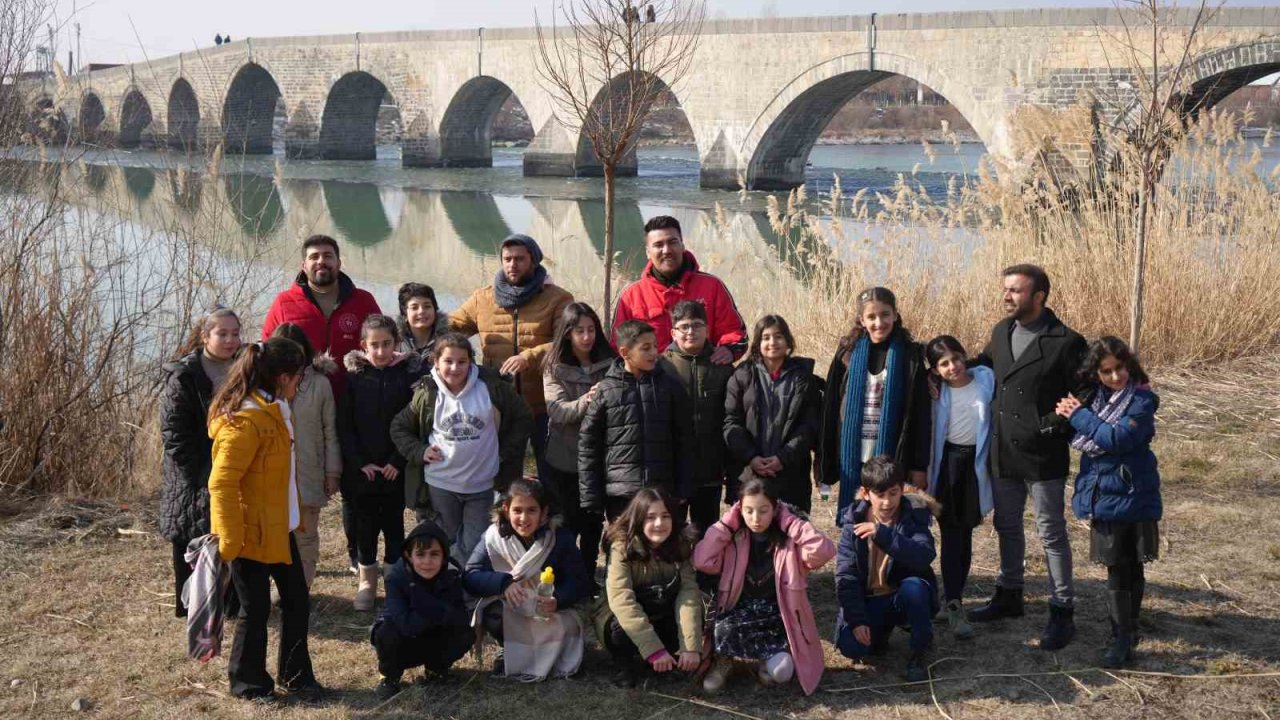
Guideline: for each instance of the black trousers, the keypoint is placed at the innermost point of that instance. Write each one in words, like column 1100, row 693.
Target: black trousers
column 704, row 507
column 349, row 525
column 379, row 515
column 567, row 497
column 623, row 650
column 436, row 649
column 247, row 667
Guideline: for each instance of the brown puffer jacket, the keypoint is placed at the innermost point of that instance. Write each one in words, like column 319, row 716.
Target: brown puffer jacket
column 526, row 330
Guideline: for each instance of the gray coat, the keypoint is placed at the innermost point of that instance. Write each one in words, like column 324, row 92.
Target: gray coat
column 563, row 389
column 315, row 430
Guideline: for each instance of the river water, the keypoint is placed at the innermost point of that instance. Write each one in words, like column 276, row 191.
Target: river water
column 443, row 226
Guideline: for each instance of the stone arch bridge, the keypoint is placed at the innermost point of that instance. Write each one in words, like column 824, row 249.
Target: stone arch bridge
column 1032, row 83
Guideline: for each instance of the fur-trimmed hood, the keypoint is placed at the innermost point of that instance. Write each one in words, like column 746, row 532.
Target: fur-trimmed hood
column 324, row 363
column 357, row 361
column 912, row 498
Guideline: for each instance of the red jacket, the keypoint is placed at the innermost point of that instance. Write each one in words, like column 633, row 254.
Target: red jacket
column 649, row 300
column 339, row 335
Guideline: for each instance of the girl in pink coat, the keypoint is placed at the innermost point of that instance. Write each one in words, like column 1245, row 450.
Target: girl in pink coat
column 763, row 553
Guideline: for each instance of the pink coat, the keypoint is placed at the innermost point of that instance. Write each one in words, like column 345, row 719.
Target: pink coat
column 727, row 542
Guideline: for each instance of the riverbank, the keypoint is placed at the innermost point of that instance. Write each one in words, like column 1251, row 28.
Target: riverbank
column 88, row 612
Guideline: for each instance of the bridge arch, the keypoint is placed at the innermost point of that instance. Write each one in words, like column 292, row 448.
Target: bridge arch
column 184, row 115
column 466, row 128
column 135, row 118
column 90, row 118
column 1218, row 73
column 612, row 98
column 777, row 145
column 349, row 124
column 249, row 111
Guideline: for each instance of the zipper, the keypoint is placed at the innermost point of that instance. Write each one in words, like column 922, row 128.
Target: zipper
column 515, row 340
column 644, row 446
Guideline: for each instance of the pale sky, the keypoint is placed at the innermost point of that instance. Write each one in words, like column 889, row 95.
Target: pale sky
column 119, row 31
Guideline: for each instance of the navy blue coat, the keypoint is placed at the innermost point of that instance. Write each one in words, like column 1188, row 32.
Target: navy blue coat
column 909, row 545
column 415, row 605
column 1122, row 484
column 481, row 580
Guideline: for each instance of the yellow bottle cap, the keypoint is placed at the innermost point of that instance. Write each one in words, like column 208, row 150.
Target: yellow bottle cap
column 548, row 576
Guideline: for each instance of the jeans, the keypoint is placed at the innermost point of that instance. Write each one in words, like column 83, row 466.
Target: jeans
column 1048, row 503
column 437, row 648
column 911, row 605
column 464, row 517
column 247, row 666
column 379, row 515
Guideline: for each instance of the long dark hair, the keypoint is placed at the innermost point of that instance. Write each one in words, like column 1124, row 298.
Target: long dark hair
column 562, row 348
column 195, row 340
column 520, row 487
column 259, row 366
column 758, row 486
column 766, row 322
column 629, row 528
column 874, row 294
column 293, row 332
column 1103, row 348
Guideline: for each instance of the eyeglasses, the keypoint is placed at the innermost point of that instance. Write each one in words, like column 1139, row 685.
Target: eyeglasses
column 690, row 328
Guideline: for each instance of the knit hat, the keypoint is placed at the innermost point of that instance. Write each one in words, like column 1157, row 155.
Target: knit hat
column 527, row 243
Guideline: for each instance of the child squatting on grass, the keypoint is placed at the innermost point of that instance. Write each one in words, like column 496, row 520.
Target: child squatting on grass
column 763, row 553
column 884, row 572
column 425, row 620
column 540, row 635
column 652, row 619
column 1118, row 488
column 959, row 475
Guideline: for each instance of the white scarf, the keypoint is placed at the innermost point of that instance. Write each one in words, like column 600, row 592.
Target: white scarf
column 532, row 648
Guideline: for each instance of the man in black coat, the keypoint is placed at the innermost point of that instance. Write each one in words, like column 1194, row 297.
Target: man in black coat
column 1035, row 358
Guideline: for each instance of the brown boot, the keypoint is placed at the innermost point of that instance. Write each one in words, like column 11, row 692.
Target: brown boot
column 367, row 590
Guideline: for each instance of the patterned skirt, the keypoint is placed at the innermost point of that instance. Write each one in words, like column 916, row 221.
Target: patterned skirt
column 752, row 630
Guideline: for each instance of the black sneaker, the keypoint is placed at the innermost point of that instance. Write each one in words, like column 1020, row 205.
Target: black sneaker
column 437, row 677
column 312, row 692
column 917, row 668
column 1003, row 604
column 1060, row 630
column 386, row 689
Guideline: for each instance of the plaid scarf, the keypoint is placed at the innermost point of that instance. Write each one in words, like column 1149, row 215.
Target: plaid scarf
column 1110, row 407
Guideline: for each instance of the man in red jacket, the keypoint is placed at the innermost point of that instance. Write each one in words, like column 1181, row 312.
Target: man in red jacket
column 330, row 310
column 672, row 275
column 325, row 304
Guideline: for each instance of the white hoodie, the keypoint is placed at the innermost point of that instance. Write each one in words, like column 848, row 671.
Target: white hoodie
column 464, row 429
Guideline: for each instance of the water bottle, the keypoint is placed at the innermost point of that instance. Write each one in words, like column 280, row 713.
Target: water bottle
column 546, row 589
column 824, row 491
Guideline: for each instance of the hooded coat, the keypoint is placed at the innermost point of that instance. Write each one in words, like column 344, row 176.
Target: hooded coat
column 188, row 449
column 726, row 551
column 909, row 545
column 249, row 483
column 797, row 426
column 337, row 335
column 1123, row 483
column 317, row 449
column 637, row 432
column 415, row 604
column 563, row 388
column 373, row 399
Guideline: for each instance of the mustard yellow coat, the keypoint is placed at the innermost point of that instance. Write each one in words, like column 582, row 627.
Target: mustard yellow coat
column 249, row 484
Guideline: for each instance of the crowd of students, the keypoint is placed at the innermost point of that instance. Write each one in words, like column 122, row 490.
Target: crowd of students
column 689, row 478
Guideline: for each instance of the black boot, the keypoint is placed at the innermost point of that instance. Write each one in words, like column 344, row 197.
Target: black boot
column 1135, row 609
column 1121, row 649
column 1060, row 630
column 1004, row 604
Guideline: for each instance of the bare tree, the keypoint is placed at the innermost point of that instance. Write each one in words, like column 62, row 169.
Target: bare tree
column 1158, row 41
column 604, row 66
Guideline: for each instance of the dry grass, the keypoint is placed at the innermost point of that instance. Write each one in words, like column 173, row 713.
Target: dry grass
column 85, row 594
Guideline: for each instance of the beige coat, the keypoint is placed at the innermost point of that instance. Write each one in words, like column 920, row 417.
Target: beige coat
column 315, row 430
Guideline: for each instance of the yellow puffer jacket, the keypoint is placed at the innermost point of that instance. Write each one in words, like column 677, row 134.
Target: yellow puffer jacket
column 530, row 326
column 249, row 484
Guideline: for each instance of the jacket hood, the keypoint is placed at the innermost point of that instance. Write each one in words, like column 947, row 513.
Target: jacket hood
column 428, row 529
column 324, row 363
column 188, row 362
column 914, row 500
column 441, row 326
column 357, row 361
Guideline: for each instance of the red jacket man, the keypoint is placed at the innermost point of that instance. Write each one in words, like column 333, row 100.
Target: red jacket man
column 325, row 303
column 672, row 275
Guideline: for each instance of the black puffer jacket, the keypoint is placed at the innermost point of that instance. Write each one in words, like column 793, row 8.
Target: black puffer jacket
column 705, row 382
column 188, row 450
column 637, row 432
column 371, row 401
column 796, row 432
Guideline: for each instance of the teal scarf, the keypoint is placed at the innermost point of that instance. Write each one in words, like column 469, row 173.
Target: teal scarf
column 855, row 389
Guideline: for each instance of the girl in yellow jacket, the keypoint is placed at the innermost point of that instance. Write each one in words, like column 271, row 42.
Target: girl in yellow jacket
column 254, row 511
